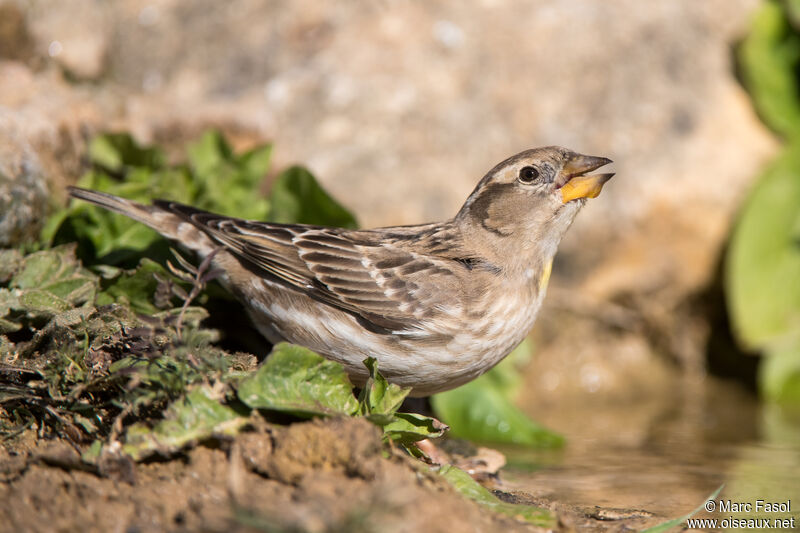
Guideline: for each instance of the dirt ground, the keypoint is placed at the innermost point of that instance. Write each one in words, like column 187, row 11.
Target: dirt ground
column 323, row 475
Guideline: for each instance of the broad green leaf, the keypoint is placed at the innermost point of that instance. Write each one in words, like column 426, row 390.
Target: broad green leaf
column 793, row 12
column 42, row 302
column 483, row 410
column 769, row 58
column 51, row 281
column 134, row 287
column 296, row 380
column 408, row 428
column 678, row 522
column 379, row 397
column 115, row 151
column 480, row 411
column 41, row 267
column 228, row 184
column 75, row 291
column 216, row 179
column 762, row 266
column 296, row 197
column 196, row 417
column 254, row 164
column 209, row 153
column 471, row 489
column 779, row 374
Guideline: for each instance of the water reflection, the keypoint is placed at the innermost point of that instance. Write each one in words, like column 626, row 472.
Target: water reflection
column 665, row 455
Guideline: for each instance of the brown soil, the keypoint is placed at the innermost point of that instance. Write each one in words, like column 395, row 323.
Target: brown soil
column 323, row 475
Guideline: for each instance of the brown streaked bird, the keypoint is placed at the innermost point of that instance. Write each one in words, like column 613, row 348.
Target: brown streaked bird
column 436, row 304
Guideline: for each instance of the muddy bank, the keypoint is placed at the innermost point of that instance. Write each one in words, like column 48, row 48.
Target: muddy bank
column 323, row 475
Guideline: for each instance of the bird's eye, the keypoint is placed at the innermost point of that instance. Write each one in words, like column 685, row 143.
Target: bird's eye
column 528, row 174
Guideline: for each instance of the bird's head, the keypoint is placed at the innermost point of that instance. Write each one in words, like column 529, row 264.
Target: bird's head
column 531, row 198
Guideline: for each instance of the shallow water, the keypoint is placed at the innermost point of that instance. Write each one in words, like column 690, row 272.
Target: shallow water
column 665, row 456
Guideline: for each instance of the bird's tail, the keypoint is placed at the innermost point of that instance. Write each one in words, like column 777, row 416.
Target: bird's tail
column 169, row 223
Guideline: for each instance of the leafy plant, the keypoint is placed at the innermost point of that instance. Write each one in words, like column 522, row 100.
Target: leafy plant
column 294, row 381
column 470, row 488
column 215, row 178
column 762, row 267
column 297, row 381
column 72, row 342
column 379, row 402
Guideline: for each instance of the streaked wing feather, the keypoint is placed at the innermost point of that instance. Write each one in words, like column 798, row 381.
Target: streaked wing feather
column 379, row 284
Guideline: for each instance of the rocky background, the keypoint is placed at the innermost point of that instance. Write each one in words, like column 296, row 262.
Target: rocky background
column 399, row 107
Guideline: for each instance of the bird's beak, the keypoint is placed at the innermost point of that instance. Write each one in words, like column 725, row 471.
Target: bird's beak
column 575, row 184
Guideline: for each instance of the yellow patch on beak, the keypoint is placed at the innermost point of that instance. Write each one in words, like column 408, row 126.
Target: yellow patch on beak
column 584, row 187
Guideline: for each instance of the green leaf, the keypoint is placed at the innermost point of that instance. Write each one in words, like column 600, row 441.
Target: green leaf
column 42, row 302
column 483, row 409
column 216, row 179
column 209, row 153
column 115, row 151
column 793, row 12
column 769, row 58
column 296, row 380
column 779, row 374
column 296, row 197
column 379, row 397
column 92, row 453
column 228, row 184
column 379, row 402
column 39, row 268
column 471, row 489
column 762, row 267
column 198, row 416
column 678, row 522
column 408, row 428
column 49, row 282
column 75, row 291
column 135, row 287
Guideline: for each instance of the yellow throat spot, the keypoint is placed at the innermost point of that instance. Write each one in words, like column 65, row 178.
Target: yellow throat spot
column 548, row 268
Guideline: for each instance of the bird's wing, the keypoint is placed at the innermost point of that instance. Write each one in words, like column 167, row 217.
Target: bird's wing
column 379, row 281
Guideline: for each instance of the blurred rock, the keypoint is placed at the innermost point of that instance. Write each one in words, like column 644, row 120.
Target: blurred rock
column 52, row 119
column 16, row 41
column 23, row 190
column 76, row 36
